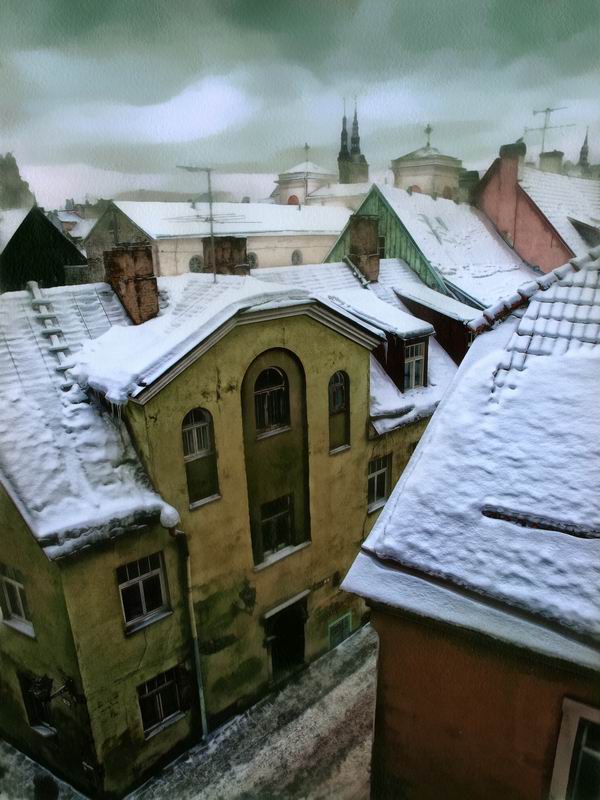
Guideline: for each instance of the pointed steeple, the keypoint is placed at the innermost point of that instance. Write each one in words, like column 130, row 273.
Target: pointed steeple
column 584, row 152
column 355, row 139
column 344, row 152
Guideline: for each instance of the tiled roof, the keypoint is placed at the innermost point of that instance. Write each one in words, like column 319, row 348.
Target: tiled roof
column 500, row 501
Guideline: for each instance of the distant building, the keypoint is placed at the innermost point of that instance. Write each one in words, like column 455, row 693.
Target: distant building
column 352, row 164
column 428, row 171
column 547, row 217
column 297, row 183
column 33, row 249
column 483, row 573
column 272, row 235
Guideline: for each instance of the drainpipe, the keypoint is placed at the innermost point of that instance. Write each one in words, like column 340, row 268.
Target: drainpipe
column 181, row 539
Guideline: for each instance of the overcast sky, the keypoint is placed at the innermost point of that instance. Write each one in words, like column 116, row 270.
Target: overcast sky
column 101, row 95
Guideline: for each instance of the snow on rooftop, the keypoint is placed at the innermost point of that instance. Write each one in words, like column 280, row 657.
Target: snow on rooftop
column 342, row 190
column 501, row 496
column 460, row 242
column 66, row 461
column 10, row 220
column 307, row 167
column 562, row 198
column 368, row 307
column 312, row 277
column 173, row 220
column 448, row 306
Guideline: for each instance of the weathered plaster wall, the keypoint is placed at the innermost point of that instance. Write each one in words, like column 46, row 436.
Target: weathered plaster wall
column 459, row 715
column 112, row 229
column 52, row 653
column 114, row 663
column 230, row 593
column 431, row 179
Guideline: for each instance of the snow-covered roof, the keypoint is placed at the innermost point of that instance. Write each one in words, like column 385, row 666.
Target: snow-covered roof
column 10, row 220
column 175, row 220
column 122, row 362
column 306, row 167
column 68, row 464
column 436, row 301
column 460, row 242
column 562, row 198
column 500, row 501
column 312, row 277
column 367, row 306
column 426, row 152
column 341, row 190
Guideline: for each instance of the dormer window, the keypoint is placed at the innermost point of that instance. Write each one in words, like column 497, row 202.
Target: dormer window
column 414, row 365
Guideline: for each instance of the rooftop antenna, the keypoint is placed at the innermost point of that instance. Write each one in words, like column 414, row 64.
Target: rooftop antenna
column 546, row 126
column 211, row 219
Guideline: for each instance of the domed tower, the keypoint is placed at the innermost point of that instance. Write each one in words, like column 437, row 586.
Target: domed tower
column 352, row 165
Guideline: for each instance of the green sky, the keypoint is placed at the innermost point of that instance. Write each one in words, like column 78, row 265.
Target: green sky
column 136, row 86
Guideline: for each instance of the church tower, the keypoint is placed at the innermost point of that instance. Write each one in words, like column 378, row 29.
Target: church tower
column 584, row 154
column 352, row 165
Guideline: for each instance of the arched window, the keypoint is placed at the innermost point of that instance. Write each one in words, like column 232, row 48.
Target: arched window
column 297, row 258
column 200, row 456
column 271, row 400
column 339, row 411
column 293, row 200
column 196, row 264
column 252, row 260
column 415, row 188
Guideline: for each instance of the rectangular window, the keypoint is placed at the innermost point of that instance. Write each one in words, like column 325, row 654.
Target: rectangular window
column 414, row 365
column 379, row 481
column 13, row 600
column 160, row 701
column 276, row 522
column 576, row 774
column 381, row 246
column 143, row 589
column 340, row 630
column 36, row 693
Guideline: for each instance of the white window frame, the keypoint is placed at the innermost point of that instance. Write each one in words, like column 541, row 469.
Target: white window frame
column 17, row 618
column 269, row 399
column 147, row 616
column 272, row 519
column 412, row 354
column 376, row 468
column 165, row 721
column 572, row 714
column 200, row 437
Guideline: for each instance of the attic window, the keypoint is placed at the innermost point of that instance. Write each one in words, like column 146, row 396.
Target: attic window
column 196, row 264
column 414, row 365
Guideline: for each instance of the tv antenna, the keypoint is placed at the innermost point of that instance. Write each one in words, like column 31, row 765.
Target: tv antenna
column 211, row 219
column 546, row 126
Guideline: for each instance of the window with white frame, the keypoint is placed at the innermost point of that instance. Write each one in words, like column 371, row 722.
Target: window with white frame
column 277, row 525
column 143, row 590
column 414, row 365
column 200, row 456
column 13, row 600
column 576, row 774
column 271, row 400
column 160, row 701
column 379, row 481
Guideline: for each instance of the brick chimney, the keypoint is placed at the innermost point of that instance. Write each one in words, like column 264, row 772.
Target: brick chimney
column 364, row 245
column 230, row 254
column 551, row 161
column 130, row 272
column 497, row 193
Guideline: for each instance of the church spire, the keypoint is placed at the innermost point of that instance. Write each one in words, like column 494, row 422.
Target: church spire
column 344, row 152
column 584, row 152
column 355, row 139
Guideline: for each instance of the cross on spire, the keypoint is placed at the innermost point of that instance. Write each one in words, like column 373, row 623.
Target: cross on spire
column 428, row 131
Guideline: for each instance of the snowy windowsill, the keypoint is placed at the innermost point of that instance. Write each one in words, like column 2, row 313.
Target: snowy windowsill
column 199, row 503
column 44, row 730
column 280, row 554
column 166, row 723
column 274, row 432
column 376, row 506
column 341, row 449
column 138, row 625
column 20, row 625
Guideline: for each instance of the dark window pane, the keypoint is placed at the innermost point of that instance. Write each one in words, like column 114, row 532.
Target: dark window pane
column 154, row 561
column 133, row 570
column 13, row 600
column 587, row 786
column 592, row 737
column 371, row 494
column 170, row 699
column 150, row 711
column 132, row 602
column 23, row 597
column 202, row 478
column 122, row 574
column 152, row 593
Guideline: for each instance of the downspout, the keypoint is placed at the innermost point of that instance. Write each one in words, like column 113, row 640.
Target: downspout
column 181, row 539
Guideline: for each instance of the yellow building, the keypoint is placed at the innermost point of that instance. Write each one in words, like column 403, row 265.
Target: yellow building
column 185, row 499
